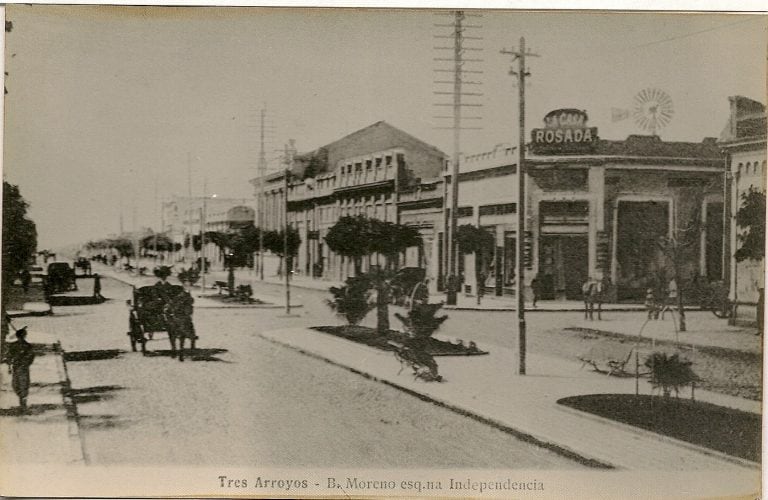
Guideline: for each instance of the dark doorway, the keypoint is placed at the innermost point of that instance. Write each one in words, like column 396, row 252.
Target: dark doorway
column 640, row 226
column 714, row 241
column 563, row 266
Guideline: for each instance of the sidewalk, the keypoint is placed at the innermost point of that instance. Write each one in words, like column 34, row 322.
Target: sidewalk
column 704, row 329
column 48, row 432
column 202, row 300
column 488, row 388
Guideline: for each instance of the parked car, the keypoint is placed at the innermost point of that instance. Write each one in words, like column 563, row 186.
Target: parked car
column 61, row 277
column 404, row 281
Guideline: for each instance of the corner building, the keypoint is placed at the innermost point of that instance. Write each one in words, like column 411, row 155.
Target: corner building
column 600, row 214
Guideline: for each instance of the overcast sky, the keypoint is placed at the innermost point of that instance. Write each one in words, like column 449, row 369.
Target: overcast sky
column 106, row 102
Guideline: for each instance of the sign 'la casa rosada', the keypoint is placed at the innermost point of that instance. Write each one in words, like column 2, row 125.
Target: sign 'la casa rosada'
column 565, row 132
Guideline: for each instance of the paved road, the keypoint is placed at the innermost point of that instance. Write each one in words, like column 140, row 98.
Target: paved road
column 244, row 401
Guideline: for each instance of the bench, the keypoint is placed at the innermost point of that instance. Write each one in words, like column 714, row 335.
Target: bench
column 607, row 357
column 221, row 285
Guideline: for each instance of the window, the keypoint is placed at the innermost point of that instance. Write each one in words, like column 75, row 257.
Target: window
column 741, row 165
column 465, row 211
column 499, row 209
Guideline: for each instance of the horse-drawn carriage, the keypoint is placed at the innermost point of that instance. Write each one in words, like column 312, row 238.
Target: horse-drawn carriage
column 161, row 308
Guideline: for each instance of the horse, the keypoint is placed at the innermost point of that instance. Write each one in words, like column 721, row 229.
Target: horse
column 592, row 291
column 178, row 319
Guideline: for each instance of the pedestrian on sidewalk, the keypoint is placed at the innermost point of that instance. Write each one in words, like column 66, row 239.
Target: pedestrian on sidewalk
column 26, row 279
column 536, row 288
column 97, row 287
column 650, row 304
column 19, row 359
column 671, row 301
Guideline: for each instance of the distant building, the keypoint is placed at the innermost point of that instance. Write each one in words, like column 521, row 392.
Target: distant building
column 363, row 173
column 184, row 216
column 744, row 142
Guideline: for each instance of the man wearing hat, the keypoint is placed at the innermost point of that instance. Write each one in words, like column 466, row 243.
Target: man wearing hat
column 19, row 359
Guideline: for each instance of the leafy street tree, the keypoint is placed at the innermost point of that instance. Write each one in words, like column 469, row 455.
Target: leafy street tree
column 350, row 237
column 274, row 241
column 19, row 244
column 472, row 239
column 236, row 247
column 123, row 247
column 750, row 218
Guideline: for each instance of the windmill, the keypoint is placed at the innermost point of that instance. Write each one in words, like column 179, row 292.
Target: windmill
column 653, row 110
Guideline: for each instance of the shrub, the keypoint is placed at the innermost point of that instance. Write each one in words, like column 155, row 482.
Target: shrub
column 421, row 321
column 162, row 272
column 352, row 301
column 244, row 293
column 670, row 372
column 189, row 276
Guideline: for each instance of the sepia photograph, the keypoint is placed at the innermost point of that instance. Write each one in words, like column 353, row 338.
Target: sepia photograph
column 291, row 252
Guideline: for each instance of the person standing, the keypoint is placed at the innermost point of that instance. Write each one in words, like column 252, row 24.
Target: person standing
column 97, row 286
column 26, row 279
column 536, row 288
column 19, row 359
column 671, row 302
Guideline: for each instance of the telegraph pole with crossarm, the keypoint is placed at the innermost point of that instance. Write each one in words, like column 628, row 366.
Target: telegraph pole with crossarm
column 521, row 73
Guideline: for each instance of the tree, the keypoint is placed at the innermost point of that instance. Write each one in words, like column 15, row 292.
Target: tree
column 751, row 219
column 19, row 245
column 472, row 239
column 357, row 236
column 388, row 239
column 677, row 250
column 274, row 241
column 350, row 237
column 19, row 234
column 123, row 247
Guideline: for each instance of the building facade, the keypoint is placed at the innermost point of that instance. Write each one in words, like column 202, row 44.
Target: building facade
column 183, row 217
column 364, row 173
column 617, row 210
column 744, row 143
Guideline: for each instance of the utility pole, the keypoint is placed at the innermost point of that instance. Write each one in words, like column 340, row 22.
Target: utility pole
column 188, row 251
column 458, row 62
column 262, row 185
column 521, row 73
column 203, row 222
column 289, row 152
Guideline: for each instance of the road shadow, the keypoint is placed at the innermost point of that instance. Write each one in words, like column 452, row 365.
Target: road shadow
column 68, row 314
column 44, row 384
column 192, row 354
column 75, row 300
column 93, row 394
column 31, row 410
column 95, row 355
column 95, row 422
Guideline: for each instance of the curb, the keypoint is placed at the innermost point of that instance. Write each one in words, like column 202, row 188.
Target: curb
column 76, row 445
column 523, row 436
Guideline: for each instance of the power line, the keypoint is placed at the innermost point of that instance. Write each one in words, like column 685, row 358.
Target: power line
column 665, row 40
